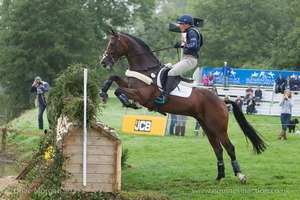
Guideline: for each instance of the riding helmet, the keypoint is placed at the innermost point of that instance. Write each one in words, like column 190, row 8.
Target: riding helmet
column 186, row 18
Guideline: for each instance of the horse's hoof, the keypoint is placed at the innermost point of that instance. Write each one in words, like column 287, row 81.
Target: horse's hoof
column 242, row 178
column 136, row 105
column 219, row 177
column 104, row 97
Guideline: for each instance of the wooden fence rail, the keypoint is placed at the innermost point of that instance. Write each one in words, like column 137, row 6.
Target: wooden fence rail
column 4, row 132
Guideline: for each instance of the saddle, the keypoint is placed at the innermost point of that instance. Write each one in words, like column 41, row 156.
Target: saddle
column 164, row 76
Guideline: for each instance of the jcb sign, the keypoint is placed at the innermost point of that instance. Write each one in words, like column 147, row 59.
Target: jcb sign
column 144, row 125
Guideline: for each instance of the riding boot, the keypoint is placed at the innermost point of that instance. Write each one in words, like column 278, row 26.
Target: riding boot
column 284, row 135
column 163, row 98
column 183, row 131
column 177, row 130
column 280, row 135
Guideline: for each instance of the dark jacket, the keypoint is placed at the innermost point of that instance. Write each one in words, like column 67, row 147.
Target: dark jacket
column 193, row 42
column 40, row 91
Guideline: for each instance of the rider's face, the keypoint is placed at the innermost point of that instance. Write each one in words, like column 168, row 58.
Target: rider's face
column 183, row 27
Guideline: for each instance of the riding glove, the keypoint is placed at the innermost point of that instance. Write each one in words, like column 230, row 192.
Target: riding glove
column 178, row 45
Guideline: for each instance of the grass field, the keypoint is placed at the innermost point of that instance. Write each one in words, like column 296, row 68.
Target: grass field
column 172, row 167
column 185, row 167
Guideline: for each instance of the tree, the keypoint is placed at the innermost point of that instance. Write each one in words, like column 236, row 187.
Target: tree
column 237, row 31
column 44, row 37
column 39, row 38
column 286, row 46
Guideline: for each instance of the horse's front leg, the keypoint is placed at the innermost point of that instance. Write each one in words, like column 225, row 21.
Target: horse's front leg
column 124, row 94
column 107, row 84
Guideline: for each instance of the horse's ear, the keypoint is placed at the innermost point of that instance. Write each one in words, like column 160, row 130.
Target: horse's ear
column 113, row 33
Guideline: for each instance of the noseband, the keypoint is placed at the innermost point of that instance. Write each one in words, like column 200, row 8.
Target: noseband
column 113, row 57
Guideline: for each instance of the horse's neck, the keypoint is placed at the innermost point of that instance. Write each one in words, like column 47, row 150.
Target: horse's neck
column 142, row 62
column 138, row 58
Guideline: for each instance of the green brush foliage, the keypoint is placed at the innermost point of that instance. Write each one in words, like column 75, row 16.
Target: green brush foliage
column 66, row 97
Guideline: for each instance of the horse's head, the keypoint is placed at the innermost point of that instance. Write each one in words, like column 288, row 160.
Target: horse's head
column 114, row 50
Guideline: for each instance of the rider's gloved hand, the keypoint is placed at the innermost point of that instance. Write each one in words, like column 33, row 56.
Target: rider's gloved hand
column 178, row 45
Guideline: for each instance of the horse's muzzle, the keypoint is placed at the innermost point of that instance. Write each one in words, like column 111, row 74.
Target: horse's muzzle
column 106, row 63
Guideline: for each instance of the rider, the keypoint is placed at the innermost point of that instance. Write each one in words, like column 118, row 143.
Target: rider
column 191, row 48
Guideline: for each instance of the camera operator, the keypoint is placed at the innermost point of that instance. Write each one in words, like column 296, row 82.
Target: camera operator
column 286, row 104
column 40, row 87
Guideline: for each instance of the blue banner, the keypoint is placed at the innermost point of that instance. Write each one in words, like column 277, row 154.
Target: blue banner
column 249, row 76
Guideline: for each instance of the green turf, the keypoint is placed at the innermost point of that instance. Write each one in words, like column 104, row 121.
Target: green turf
column 173, row 167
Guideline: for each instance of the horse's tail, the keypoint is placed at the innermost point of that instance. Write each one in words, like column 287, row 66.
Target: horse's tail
column 258, row 144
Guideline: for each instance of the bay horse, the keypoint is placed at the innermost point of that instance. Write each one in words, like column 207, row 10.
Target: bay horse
column 207, row 108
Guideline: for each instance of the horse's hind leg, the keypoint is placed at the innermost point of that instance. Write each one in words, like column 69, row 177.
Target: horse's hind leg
column 219, row 154
column 231, row 152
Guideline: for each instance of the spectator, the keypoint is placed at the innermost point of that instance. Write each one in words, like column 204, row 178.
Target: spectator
column 288, row 83
column 205, row 80
column 226, row 73
column 295, row 83
column 239, row 102
column 251, row 105
column 257, row 94
column 286, row 104
column 180, row 126
column 40, row 87
column 215, row 90
column 172, row 123
column 249, row 92
column 227, row 105
column 279, row 84
column 211, row 79
column 197, row 128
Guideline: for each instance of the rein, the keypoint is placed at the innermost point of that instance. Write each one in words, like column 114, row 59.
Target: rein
column 162, row 49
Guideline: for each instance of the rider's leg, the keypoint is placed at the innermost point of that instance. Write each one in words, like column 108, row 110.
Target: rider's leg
column 186, row 64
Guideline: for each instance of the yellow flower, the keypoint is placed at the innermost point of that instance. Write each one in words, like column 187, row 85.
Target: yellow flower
column 50, row 148
column 47, row 155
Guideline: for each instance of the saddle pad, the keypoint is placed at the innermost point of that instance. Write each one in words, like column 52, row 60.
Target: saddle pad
column 180, row 91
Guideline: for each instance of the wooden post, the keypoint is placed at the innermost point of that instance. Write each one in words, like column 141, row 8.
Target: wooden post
column 3, row 138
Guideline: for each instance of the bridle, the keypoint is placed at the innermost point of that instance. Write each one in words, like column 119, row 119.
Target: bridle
column 114, row 58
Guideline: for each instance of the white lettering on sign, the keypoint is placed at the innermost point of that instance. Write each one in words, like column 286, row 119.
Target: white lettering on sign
column 142, row 125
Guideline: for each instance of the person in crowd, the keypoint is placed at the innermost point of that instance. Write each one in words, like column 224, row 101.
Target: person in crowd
column 180, row 125
column 249, row 92
column 286, row 104
column 205, row 80
column 239, row 102
column 295, row 83
column 211, row 79
column 215, row 90
column 40, row 88
column 288, row 83
column 227, row 105
column 226, row 72
column 257, row 94
column 191, row 46
column 197, row 129
column 250, row 105
column 172, row 123
column 279, row 84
